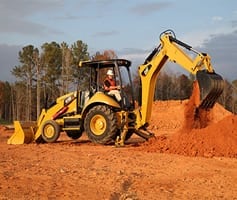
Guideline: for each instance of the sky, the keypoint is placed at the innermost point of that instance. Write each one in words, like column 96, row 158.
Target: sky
column 130, row 28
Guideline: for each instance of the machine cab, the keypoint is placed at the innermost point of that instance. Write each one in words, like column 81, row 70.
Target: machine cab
column 96, row 73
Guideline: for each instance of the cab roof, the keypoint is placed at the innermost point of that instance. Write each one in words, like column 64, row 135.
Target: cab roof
column 105, row 63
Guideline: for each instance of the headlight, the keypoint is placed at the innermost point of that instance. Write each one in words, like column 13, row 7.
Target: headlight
column 69, row 99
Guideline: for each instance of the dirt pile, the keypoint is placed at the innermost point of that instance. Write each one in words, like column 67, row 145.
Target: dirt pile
column 2, row 128
column 190, row 132
column 217, row 139
column 196, row 118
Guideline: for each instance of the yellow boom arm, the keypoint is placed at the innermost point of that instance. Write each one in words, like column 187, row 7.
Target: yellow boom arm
column 169, row 49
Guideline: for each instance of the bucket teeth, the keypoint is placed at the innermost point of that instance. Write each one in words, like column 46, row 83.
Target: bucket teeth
column 211, row 86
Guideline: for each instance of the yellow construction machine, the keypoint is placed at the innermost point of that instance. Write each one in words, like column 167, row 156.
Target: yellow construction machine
column 101, row 116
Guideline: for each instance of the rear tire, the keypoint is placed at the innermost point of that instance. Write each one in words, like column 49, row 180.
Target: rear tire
column 101, row 124
column 50, row 131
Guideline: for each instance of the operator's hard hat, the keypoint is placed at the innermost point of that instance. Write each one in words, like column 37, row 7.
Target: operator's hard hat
column 110, row 72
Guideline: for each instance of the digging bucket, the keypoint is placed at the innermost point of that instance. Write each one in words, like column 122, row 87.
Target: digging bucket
column 24, row 132
column 211, row 86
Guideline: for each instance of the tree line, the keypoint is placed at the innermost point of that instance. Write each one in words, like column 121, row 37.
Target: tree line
column 52, row 71
column 173, row 86
column 44, row 73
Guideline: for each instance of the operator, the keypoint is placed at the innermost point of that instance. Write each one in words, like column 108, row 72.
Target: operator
column 110, row 85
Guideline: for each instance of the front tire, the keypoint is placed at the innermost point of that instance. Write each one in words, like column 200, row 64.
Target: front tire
column 50, row 131
column 101, row 124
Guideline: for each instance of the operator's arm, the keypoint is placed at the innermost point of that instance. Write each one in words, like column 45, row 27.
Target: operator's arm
column 109, row 87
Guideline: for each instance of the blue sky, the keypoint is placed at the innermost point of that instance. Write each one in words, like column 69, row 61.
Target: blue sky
column 130, row 28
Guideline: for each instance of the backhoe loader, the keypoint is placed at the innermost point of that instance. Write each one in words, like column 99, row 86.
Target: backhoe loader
column 101, row 116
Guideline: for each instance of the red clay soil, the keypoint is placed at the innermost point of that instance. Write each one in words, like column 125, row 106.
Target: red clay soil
column 217, row 139
column 196, row 118
column 82, row 170
column 200, row 134
column 182, row 161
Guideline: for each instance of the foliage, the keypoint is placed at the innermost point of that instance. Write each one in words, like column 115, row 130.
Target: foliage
column 5, row 101
column 170, row 86
column 79, row 53
column 49, row 72
column 107, row 54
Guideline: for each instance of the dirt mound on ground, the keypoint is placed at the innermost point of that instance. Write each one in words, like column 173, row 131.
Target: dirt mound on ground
column 217, row 139
column 169, row 116
column 3, row 128
column 180, row 129
column 196, row 118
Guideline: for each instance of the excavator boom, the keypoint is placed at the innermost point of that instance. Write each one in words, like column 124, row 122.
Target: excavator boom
column 171, row 49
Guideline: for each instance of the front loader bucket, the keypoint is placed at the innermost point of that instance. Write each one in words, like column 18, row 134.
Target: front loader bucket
column 211, row 86
column 23, row 134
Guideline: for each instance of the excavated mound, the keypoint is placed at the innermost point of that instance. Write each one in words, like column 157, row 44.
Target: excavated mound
column 3, row 128
column 217, row 139
column 179, row 130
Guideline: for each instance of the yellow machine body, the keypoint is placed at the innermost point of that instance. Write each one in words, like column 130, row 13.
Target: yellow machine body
column 103, row 118
column 31, row 131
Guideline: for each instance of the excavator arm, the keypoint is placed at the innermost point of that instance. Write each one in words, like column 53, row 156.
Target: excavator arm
column 172, row 49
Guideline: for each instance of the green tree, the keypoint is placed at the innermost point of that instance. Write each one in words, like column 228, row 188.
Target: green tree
column 51, row 72
column 67, row 69
column 51, row 64
column 185, row 87
column 79, row 53
column 234, row 84
column 25, row 74
column 7, row 114
column 2, row 100
column 226, row 97
column 105, row 55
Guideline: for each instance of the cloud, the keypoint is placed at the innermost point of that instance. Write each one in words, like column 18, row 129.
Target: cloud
column 217, row 18
column 8, row 60
column 222, row 48
column 69, row 16
column 148, row 8
column 234, row 23
column 136, row 54
column 24, row 27
column 197, row 38
column 15, row 17
column 105, row 33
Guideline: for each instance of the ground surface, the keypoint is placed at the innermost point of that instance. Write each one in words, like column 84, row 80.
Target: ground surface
column 181, row 162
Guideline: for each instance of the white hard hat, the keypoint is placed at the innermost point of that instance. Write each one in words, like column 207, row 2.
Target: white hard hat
column 110, row 72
